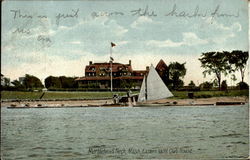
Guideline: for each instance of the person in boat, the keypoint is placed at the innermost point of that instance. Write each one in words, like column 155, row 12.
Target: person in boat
column 129, row 93
column 116, row 98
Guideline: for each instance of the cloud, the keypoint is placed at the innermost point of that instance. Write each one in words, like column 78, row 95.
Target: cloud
column 236, row 26
column 166, row 43
column 101, row 27
column 142, row 20
column 219, row 33
column 189, row 39
column 120, row 31
column 75, row 42
column 41, row 65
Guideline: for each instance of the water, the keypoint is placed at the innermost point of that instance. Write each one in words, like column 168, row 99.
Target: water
column 156, row 132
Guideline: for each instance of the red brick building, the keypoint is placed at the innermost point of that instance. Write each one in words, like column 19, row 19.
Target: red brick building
column 97, row 75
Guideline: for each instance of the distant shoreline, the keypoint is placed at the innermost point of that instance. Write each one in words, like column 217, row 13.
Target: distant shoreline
column 99, row 102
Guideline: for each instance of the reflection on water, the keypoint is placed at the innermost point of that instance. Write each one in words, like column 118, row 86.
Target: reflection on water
column 159, row 132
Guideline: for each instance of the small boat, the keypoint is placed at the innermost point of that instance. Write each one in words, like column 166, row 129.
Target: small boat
column 128, row 100
column 153, row 88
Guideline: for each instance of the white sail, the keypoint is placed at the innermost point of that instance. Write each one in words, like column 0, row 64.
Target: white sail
column 154, row 87
column 141, row 96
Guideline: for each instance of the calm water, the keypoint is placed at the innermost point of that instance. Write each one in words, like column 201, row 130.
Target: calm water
column 159, row 132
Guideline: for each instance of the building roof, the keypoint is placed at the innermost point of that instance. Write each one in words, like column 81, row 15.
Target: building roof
column 97, row 67
column 108, row 78
column 161, row 65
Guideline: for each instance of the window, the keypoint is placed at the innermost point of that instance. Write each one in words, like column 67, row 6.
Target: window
column 103, row 69
column 92, row 68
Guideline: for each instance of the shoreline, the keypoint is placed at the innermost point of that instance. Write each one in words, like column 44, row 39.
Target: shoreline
column 105, row 102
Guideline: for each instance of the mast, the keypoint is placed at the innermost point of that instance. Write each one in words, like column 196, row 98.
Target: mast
column 111, row 77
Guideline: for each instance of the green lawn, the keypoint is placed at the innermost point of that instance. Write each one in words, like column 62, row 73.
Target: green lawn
column 54, row 95
column 208, row 94
column 96, row 95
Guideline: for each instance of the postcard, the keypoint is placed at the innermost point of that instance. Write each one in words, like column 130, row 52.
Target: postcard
column 123, row 79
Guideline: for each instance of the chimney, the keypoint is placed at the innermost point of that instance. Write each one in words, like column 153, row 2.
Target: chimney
column 90, row 62
column 129, row 62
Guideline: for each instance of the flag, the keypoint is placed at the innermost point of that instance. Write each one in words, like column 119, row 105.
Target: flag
column 111, row 59
column 112, row 44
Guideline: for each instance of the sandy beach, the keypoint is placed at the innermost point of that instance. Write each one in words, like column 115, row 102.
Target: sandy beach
column 96, row 103
column 203, row 101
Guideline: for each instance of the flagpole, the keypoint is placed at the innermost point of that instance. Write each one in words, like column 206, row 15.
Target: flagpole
column 111, row 80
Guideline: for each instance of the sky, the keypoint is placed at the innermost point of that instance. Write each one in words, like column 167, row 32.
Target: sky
column 44, row 38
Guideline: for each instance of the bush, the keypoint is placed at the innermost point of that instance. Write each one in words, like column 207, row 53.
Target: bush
column 206, row 85
column 224, row 85
column 242, row 86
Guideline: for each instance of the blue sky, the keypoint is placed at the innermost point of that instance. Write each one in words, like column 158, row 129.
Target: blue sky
column 45, row 46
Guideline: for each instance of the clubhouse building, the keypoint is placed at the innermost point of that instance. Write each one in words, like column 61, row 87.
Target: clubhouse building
column 97, row 75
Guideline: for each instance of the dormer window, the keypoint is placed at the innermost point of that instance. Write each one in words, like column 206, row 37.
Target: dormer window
column 92, row 68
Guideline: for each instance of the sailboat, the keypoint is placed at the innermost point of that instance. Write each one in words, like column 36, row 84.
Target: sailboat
column 153, row 88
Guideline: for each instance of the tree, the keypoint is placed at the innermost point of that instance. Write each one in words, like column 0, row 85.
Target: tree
column 176, row 72
column 68, row 82
column 6, row 81
column 224, row 85
column 60, row 82
column 18, row 85
column 239, row 60
column 32, row 82
column 215, row 62
column 191, row 84
column 52, row 82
